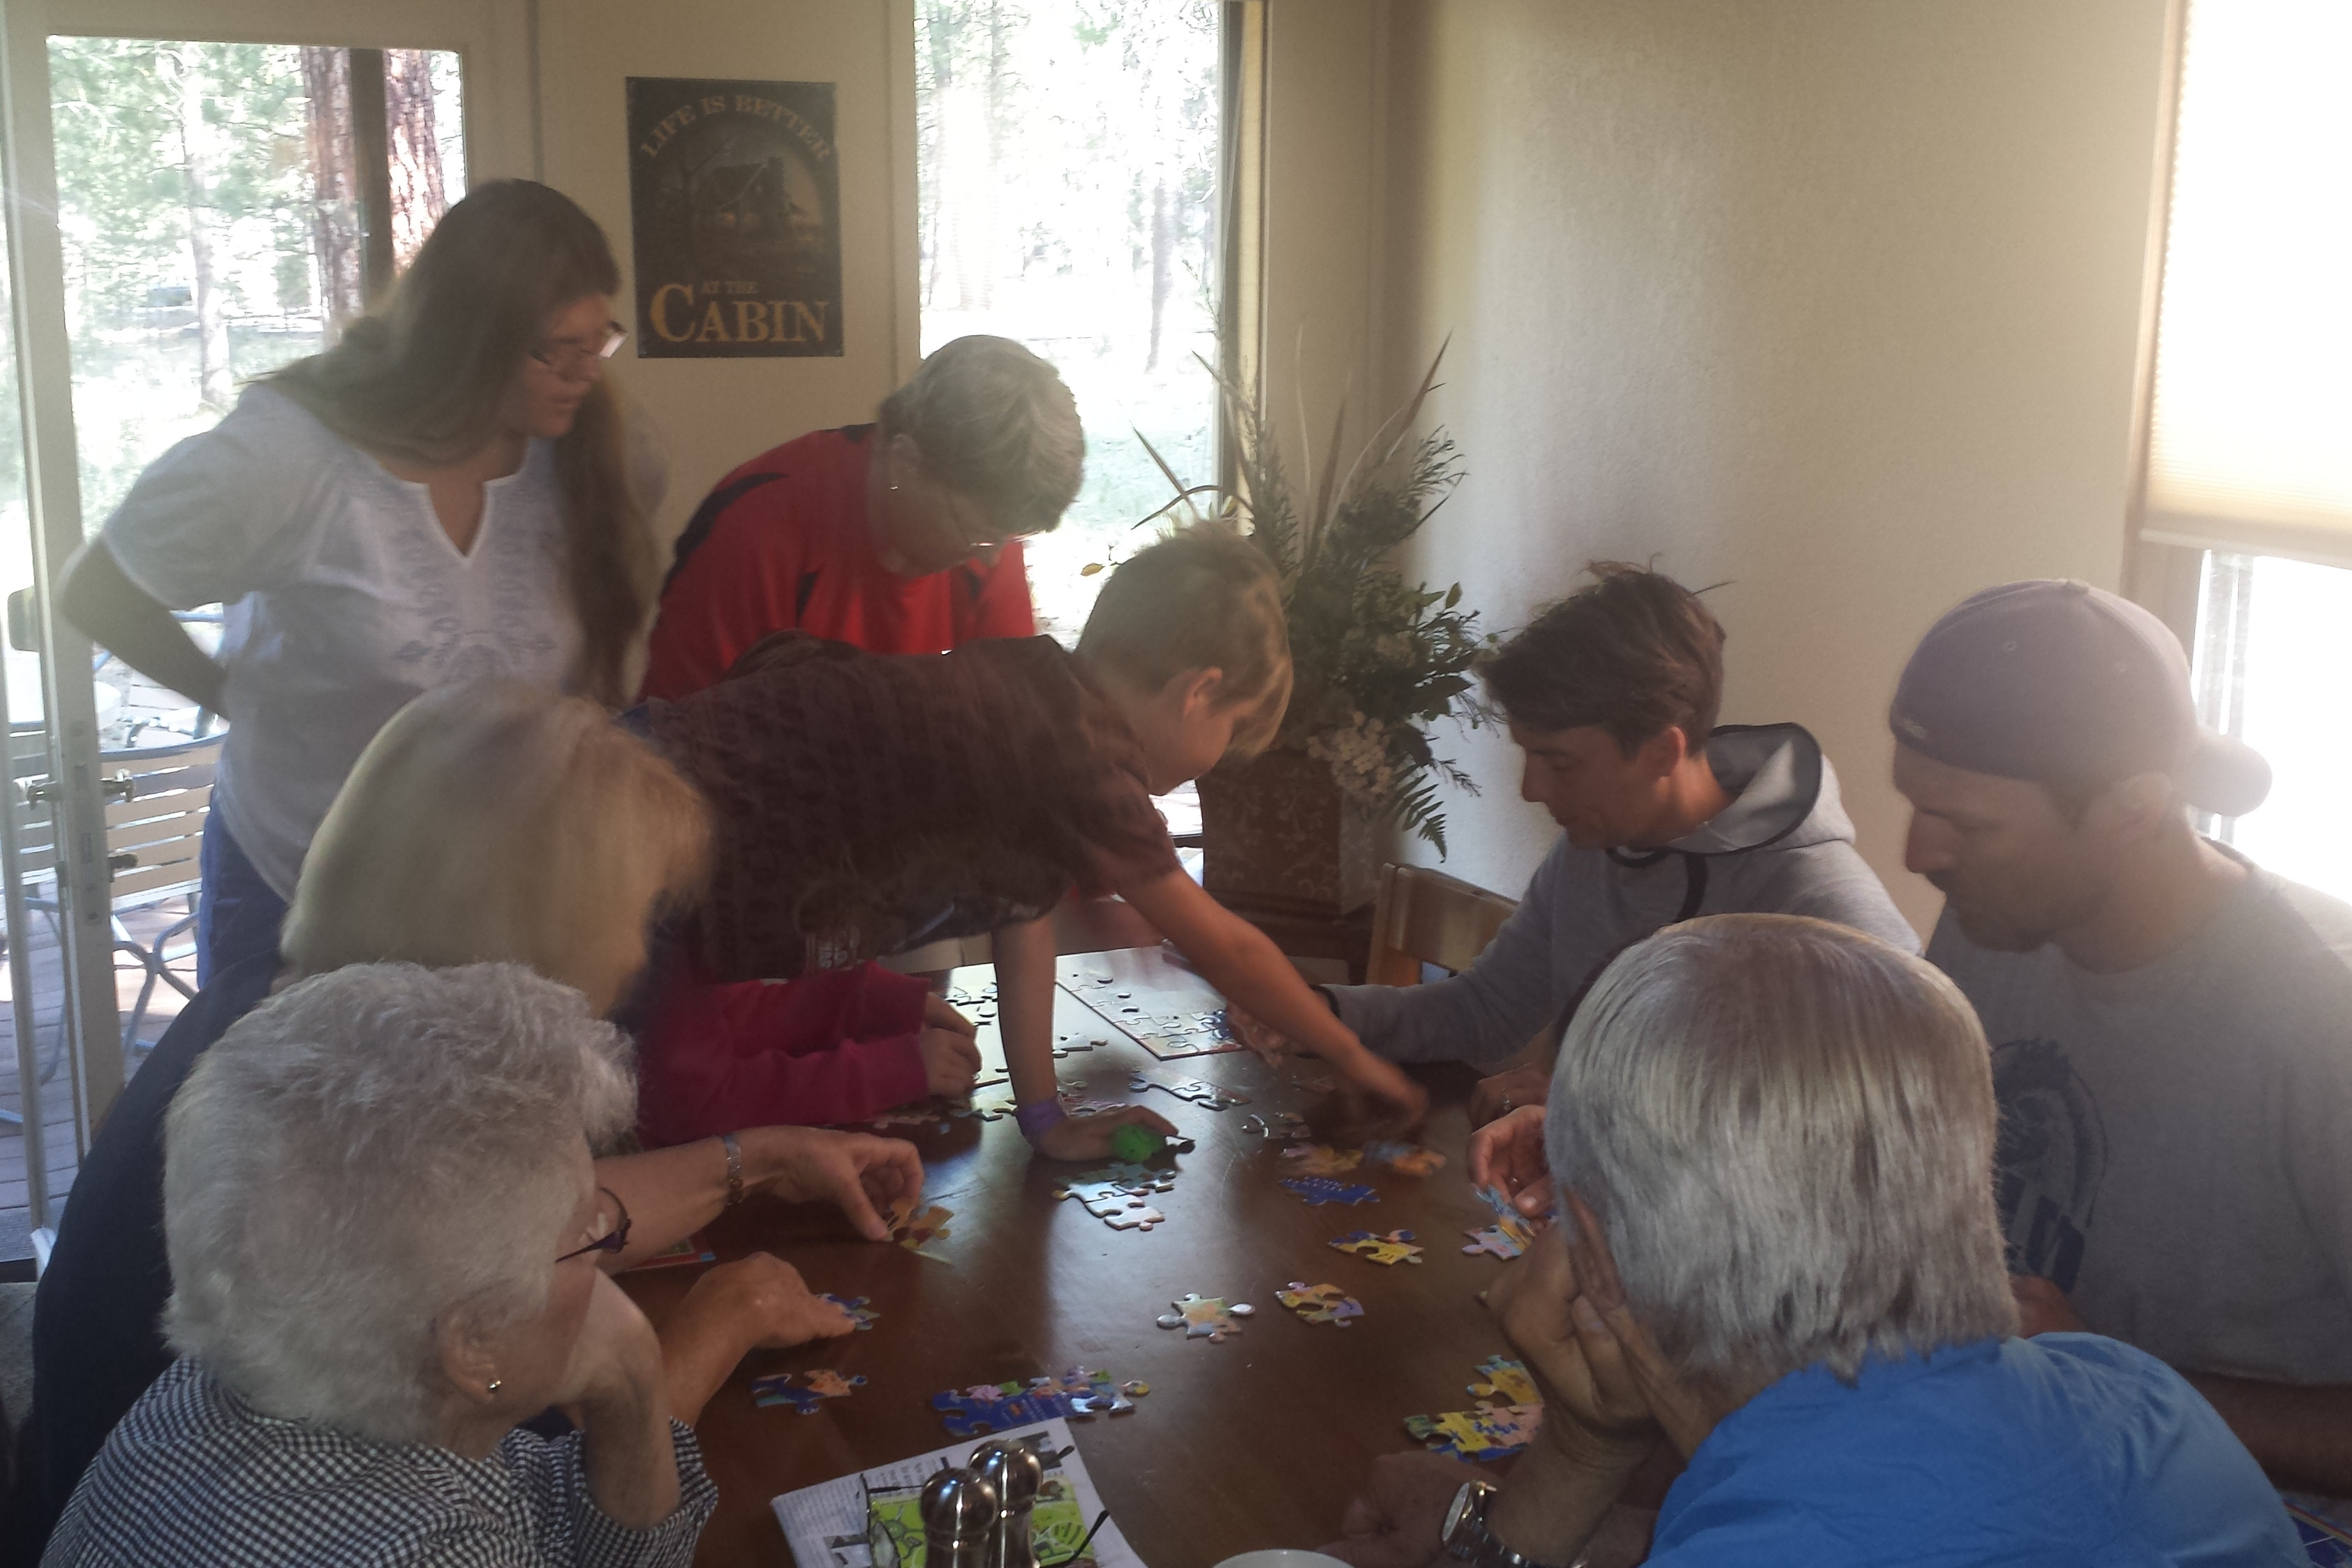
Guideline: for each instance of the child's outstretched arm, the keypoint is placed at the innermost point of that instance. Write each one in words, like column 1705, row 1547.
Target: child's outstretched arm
column 1024, row 1000
column 1236, row 958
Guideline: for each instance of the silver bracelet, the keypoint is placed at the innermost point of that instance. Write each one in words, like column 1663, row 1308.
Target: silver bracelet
column 734, row 1168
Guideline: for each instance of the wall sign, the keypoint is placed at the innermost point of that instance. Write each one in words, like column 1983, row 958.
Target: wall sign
column 735, row 198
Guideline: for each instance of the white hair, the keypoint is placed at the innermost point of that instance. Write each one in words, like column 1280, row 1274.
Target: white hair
column 1785, row 1128
column 365, row 1153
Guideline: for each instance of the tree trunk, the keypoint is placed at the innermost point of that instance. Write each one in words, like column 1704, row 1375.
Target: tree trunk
column 414, row 149
column 213, row 378
column 334, row 188
column 1163, row 261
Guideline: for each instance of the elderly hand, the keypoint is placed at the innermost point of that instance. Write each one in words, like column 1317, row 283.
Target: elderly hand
column 863, row 1175
column 757, row 1302
column 2042, row 1308
column 1088, row 1137
column 1395, row 1520
column 1507, row 1091
column 1593, row 1405
column 1509, row 1155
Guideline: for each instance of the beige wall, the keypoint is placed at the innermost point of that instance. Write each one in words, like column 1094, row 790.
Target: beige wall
column 714, row 414
column 1833, row 302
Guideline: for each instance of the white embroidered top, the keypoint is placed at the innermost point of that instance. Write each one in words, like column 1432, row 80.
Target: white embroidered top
column 345, row 599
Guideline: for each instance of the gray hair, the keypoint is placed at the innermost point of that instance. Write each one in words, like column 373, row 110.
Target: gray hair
column 364, row 1153
column 996, row 422
column 1785, row 1128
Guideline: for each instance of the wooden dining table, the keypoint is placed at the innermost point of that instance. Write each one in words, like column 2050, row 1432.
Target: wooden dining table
column 1257, row 1441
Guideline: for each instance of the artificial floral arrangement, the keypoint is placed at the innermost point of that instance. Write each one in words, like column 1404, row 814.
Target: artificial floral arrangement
column 1378, row 661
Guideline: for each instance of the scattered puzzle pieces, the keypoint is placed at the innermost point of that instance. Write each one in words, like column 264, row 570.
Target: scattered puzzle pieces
column 1209, row 1317
column 1197, row 1090
column 857, row 1307
column 1390, row 1247
column 1080, row 1394
column 1320, row 1303
column 1119, row 1196
column 1319, row 1158
column 920, row 1231
column 1512, row 1232
column 823, row 1384
column 1405, row 1159
column 1319, row 1190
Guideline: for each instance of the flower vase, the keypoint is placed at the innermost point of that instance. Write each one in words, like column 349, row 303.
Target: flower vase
column 1282, row 838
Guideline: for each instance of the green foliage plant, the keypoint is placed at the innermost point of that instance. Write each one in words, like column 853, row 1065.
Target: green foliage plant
column 1379, row 661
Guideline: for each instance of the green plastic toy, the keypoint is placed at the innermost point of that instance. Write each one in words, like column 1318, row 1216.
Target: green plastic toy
column 1135, row 1143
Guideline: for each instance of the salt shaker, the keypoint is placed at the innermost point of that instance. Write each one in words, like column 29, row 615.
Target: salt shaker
column 1014, row 1468
column 960, row 1516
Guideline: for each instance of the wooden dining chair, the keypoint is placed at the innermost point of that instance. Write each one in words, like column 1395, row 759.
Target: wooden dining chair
column 1423, row 917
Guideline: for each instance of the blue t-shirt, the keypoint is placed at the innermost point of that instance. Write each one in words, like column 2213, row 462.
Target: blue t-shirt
column 2066, row 1449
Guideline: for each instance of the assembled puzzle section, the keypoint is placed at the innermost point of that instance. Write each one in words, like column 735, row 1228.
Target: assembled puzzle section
column 1168, row 1010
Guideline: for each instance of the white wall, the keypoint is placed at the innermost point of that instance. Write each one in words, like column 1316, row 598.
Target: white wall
column 1833, row 302
column 715, row 414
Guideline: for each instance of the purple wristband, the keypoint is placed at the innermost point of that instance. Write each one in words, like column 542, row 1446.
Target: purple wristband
column 1039, row 1118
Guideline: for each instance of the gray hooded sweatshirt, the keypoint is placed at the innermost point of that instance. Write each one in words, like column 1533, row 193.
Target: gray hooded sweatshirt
column 1783, row 845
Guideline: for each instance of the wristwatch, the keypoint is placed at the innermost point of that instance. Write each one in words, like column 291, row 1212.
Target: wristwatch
column 1467, row 1538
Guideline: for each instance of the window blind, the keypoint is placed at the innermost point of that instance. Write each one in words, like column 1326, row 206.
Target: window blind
column 2250, row 442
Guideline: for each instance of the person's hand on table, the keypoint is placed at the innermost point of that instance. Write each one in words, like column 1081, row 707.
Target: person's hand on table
column 1373, row 1099
column 2042, row 1308
column 939, row 1015
column 1088, row 1137
column 759, row 1302
column 1269, row 1044
column 1507, row 1091
column 865, row 1176
column 1398, row 1518
column 950, row 1061
column 1509, row 1155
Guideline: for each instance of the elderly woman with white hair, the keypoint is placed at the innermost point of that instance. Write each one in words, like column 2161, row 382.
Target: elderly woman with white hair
column 384, row 1227
column 1771, row 1141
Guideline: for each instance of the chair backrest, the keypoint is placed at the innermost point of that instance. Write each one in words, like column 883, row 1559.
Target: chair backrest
column 1427, row 917
column 153, row 839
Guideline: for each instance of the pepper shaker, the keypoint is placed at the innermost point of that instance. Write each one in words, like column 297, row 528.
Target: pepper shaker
column 1015, row 1471
column 961, row 1517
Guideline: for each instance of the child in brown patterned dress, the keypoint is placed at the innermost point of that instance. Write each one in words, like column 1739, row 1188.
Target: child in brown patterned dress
column 865, row 803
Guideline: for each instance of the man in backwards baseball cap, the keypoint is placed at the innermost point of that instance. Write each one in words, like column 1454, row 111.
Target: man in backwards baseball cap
column 2171, row 1024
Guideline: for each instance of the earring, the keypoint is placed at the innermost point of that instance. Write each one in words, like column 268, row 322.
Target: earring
column 495, row 1384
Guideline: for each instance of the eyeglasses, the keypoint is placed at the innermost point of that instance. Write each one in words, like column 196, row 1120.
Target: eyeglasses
column 568, row 356
column 610, row 1227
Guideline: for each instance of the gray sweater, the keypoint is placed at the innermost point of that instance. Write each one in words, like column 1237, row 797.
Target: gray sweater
column 1783, row 845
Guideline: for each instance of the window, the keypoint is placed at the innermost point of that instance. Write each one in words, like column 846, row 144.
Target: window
column 2248, row 450
column 1069, row 156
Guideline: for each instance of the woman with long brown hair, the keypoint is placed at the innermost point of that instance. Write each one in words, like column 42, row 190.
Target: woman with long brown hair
column 450, row 492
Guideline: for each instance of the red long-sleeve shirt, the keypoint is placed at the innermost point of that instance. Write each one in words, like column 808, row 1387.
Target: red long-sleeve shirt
column 784, row 543
column 835, row 1046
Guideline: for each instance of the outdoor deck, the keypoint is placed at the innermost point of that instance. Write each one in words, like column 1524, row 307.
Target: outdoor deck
column 56, row 1094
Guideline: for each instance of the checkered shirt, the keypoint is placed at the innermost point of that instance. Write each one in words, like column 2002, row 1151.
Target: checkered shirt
column 195, row 1477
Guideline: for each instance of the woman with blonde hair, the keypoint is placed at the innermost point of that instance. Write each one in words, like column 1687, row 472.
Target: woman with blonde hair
column 450, row 492
column 1771, row 1139
column 488, row 823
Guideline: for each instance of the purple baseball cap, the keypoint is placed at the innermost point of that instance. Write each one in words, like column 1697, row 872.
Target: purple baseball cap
column 2059, row 682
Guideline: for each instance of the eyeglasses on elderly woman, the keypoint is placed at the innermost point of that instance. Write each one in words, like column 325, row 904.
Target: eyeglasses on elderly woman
column 608, row 1228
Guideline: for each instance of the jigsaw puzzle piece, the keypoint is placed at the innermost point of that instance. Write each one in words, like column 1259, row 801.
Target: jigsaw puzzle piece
column 1506, row 1382
column 1205, row 1317
column 857, row 1307
column 1320, row 1303
column 1319, row 1190
column 1406, row 1159
column 769, row 1392
column 1319, row 1158
column 1389, row 1248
